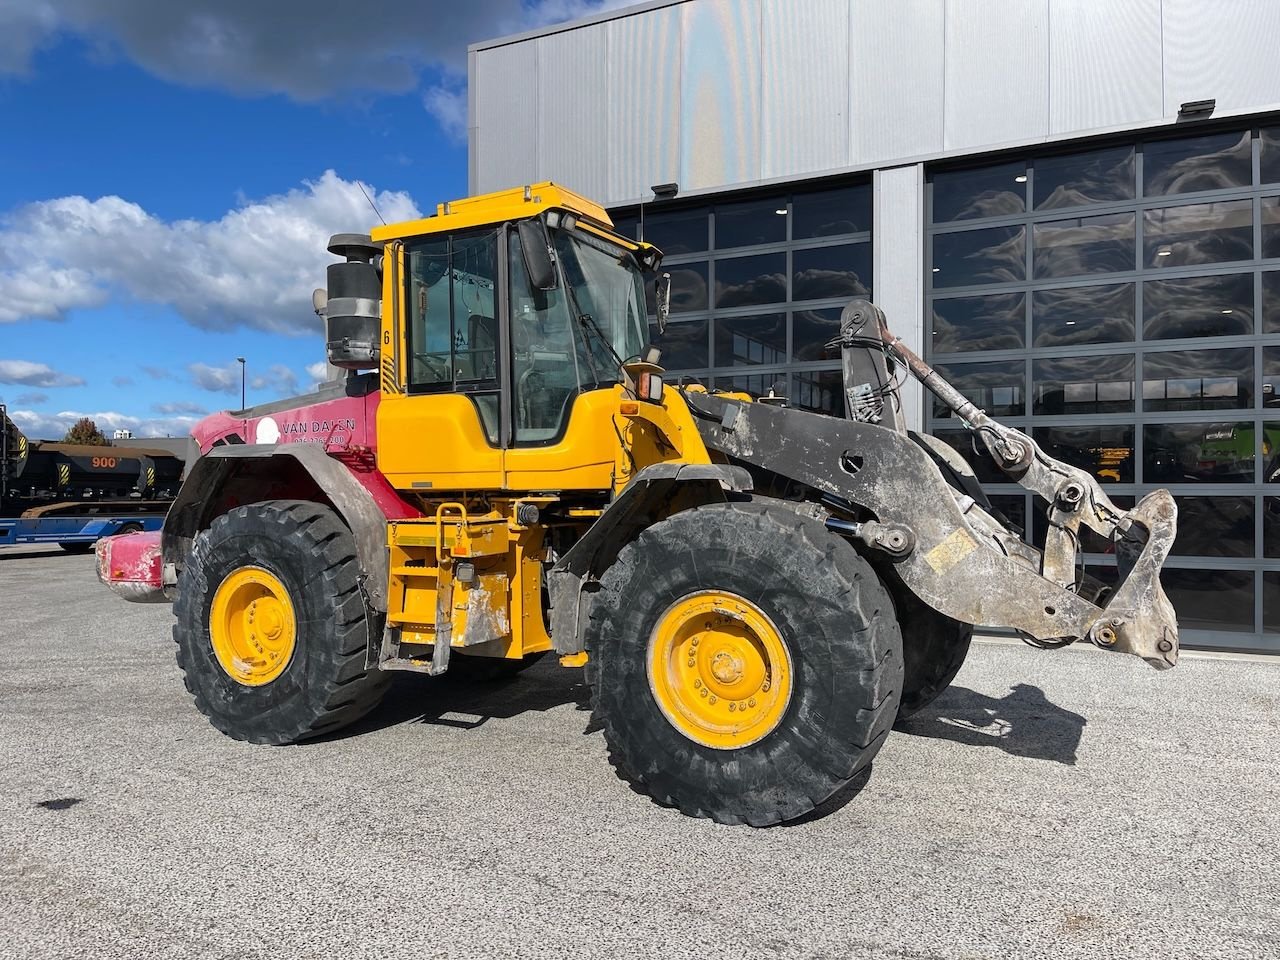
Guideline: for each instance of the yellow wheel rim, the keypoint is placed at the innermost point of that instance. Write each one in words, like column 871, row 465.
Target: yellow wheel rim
column 719, row 670
column 252, row 626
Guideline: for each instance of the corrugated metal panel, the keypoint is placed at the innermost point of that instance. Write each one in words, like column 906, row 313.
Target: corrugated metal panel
column 644, row 103
column 895, row 79
column 720, row 92
column 506, row 116
column 804, row 103
column 1224, row 49
column 997, row 71
column 1104, row 64
column 574, row 146
column 898, row 267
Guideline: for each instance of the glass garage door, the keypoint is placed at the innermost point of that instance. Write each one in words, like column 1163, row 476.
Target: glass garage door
column 1122, row 304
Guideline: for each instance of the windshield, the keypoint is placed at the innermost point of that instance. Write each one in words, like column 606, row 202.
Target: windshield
column 607, row 287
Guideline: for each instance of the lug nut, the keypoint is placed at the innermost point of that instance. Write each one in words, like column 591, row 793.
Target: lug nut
column 696, row 683
column 733, row 707
column 713, row 698
column 703, row 691
column 751, row 702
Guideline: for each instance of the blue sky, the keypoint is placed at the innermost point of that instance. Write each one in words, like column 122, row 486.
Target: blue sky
column 170, row 172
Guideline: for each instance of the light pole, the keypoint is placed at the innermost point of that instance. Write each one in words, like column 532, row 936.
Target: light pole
column 241, row 362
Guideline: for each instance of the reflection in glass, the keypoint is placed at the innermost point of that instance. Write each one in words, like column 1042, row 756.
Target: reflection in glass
column 688, row 288
column 988, row 192
column 1090, row 542
column 1271, row 376
column 1217, row 306
column 1270, row 452
column 745, row 281
column 1269, row 138
column 1198, row 233
column 1271, row 302
column 1069, row 248
column 674, row 233
column 751, row 222
column 1198, row 379
column 628, row 226
column 1271, row 226
column 1099, row 176
column 1075, row 315
column 1214, row 527
column 1106, row 451
column 1097, row 384
column 744, row 341
column 831, row 212
column 1210, row 599
column 1210, row 161
column 756, row 384
column 984, row 468
column 997, row 387
column 811, row 331
column 821, row 390
column 1197, row 453
column 974, row 257
column 1271, row 601
column 997, row 322
column 684, row 345
column 1012, row 509
column 1271, row 529
column 821, row 273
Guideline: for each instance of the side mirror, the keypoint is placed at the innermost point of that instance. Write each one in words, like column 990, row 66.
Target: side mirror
column 662, row 296
column 537, row 257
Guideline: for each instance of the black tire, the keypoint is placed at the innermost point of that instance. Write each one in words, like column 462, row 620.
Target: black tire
column 76, row 546
column 835, row 617
column 934, row 648
column 129, row 528
column 488, row 669
column 325, row 685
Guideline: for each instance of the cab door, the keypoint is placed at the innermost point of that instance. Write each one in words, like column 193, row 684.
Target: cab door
column 440, row 423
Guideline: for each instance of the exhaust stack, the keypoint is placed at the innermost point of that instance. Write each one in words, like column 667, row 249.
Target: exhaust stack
column 353, row 314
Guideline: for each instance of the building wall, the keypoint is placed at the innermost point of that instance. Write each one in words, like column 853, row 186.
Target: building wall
column 718, row 93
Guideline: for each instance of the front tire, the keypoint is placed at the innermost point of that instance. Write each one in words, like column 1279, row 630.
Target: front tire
column 271, row 627
column 745, row 663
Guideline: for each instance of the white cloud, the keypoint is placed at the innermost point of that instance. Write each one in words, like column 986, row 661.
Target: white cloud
column 226, row 379
column 448, row 104
column 318, row 372
column 278, row 378
column 31, row 399
column 35, row 374
column 53, row 426
column 256, row 266
column 179, row 407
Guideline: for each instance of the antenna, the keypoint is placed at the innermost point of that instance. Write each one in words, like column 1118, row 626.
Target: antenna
column 371, row 203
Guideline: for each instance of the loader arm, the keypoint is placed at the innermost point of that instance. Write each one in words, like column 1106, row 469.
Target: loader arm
column 883, row 487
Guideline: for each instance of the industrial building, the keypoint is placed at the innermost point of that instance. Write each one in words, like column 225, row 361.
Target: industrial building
column 1071, row 207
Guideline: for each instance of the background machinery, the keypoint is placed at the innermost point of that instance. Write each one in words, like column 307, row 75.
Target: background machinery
column 757, row 592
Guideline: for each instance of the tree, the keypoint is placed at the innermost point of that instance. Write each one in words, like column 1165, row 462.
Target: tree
column 86, row 432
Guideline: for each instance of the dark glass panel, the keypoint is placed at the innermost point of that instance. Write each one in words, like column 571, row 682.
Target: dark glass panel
column 1211, row 161
column 688, row 288
column 831, row 212
column 984, row 467
column 821, row 390
column 1211, row 599
column 1219, row 306
column 628, row 226
column 756, row 384
column 1271, row 599
column 1097, row 384
column 990, row 192
column 1271, row 529
column 1271, row 376
column 997, row 322
column 1090, row 542
column 677, row 232
column 1197, row 453
column 746, row 281
column 1070, row 248
column 751, row 222
column 684, row 345
column 1106, row 451
column 1214, row 527
column 811, row 331
column 975, row 257
column 821, row 273
column 1014, row 510
column 1271, row 302
column 1198, row 380
column 744, row 341
column 1099, row 176
column 1075, row 315
column 997, row 387
column 1270, row 140
column 1271, row 226
column 1270, row 452
column 1198, row 233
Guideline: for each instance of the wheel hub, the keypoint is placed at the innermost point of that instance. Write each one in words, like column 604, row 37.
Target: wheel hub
column 719, row 669
column 252, row 626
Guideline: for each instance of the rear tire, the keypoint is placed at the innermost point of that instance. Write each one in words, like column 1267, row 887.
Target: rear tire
column 322, row 684
column 840, row 659
column 76, row 546
column 934, row 648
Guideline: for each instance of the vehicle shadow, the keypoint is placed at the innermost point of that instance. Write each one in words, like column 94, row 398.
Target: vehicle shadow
column 452, row 700
column 12, row 553
column 1024, row 723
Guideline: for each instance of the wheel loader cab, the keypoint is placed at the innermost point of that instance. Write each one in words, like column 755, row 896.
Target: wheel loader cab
column 501, row 376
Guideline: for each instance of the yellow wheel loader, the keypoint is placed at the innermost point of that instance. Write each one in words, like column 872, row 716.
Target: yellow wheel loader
column 757, row 592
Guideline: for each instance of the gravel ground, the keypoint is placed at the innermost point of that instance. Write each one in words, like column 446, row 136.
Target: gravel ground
column 1069, row 804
